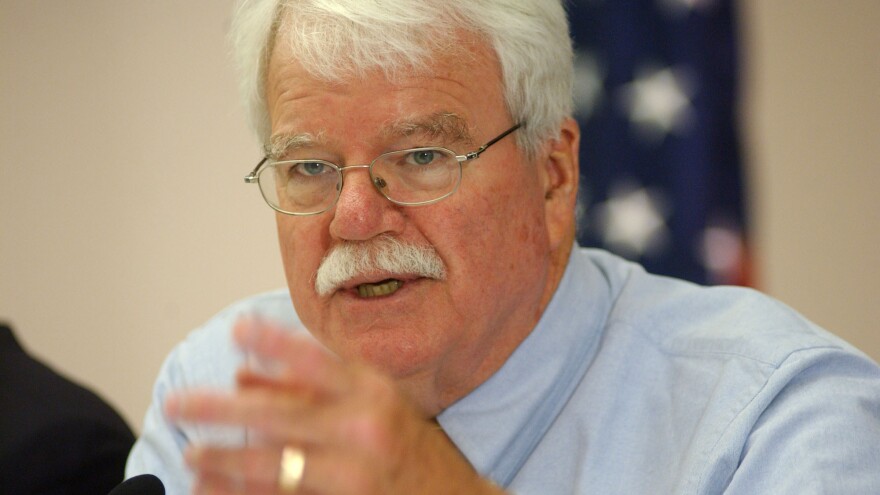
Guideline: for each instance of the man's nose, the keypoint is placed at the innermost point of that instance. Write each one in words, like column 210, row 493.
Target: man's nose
column 361, row 211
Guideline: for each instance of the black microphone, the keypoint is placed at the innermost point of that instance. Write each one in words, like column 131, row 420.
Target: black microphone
column 142, row 484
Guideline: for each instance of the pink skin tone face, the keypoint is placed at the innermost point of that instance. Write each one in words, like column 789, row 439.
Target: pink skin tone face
column 503, row 236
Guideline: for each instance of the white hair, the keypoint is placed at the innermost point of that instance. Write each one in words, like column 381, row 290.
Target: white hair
column 333, row 39
column 383, row 254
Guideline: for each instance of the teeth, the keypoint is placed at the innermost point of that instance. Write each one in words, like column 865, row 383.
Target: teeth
column 381, row 289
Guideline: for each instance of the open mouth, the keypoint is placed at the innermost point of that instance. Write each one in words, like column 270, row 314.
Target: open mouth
column 383, row 288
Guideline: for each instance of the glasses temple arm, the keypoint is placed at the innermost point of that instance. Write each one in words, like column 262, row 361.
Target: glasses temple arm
column 252, row 177
column 475, row 154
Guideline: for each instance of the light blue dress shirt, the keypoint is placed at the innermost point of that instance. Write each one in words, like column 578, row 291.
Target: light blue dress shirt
column 630, row 384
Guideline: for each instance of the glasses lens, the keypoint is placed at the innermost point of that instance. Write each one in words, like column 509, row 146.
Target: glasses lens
column 300, row 187
column 416, row 176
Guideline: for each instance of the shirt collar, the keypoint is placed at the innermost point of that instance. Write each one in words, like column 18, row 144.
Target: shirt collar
column 499, row 424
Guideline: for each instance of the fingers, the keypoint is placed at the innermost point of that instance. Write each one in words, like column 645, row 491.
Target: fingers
column 249, row 470
column 283, row 418
column 256, row 471
column 294, row 362
column 359, row 433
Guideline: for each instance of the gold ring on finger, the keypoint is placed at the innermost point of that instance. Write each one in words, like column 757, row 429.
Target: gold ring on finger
column 293, row 464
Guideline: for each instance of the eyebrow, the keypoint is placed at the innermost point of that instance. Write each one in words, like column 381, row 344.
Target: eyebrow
column 282, row 144
column 446, row 126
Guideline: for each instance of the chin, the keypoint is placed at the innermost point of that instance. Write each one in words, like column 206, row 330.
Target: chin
column 398, row 356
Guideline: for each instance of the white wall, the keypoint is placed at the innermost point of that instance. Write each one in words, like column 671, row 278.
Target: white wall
column 813, row 126
column 124, row 221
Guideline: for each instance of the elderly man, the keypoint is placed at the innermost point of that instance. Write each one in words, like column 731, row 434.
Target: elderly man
column 446, row 333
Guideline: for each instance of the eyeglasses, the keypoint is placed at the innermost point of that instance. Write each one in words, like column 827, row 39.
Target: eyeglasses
column 410, row 177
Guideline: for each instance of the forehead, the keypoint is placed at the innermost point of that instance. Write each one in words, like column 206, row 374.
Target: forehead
column 458, row 93
column 439, row 128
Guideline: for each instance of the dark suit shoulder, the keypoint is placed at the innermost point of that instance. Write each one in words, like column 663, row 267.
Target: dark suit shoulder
column 56, row 436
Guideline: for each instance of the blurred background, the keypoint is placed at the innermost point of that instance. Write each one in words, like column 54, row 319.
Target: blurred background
column 125, row 223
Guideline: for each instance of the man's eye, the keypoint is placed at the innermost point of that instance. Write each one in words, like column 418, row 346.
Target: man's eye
column 311, row 168
column 421, row 157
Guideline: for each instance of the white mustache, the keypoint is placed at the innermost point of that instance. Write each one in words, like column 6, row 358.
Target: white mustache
column 384, row 254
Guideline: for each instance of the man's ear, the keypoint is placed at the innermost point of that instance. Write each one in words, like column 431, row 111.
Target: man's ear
column 561, row 172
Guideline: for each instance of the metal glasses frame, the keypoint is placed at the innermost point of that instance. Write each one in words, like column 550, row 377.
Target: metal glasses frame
column 254, row 176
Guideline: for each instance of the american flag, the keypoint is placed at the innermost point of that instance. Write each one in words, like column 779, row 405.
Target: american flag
column 655, row 94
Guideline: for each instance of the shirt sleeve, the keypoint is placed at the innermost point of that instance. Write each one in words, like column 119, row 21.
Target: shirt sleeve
column 820, row 433
column 159, row 450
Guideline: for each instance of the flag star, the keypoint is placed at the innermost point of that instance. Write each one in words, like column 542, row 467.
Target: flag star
column 679, row 8
column 722, row 251
column 632, row 221
column 587, row 89
column 659, row 102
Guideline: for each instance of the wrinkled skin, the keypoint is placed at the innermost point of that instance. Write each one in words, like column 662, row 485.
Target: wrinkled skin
column 364, row 420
